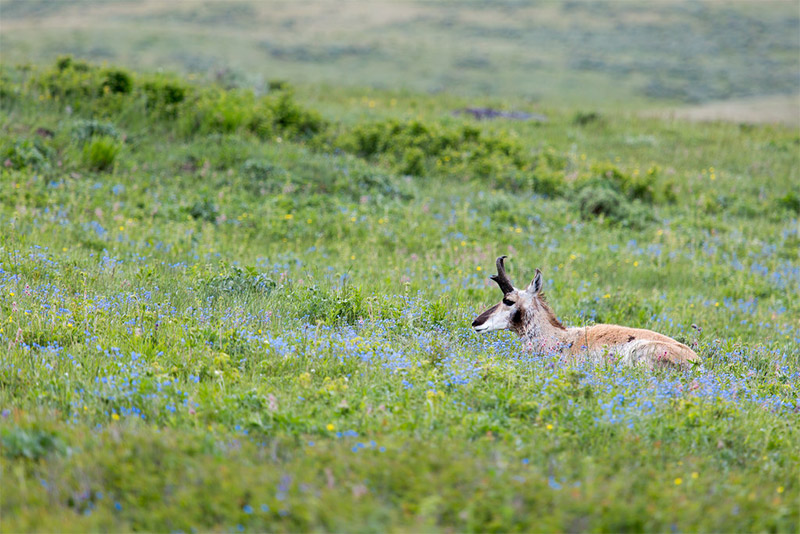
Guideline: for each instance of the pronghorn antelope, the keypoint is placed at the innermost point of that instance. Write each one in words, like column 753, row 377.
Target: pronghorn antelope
column 526, row 312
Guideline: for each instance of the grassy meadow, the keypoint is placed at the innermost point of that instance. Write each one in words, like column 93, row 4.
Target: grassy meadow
column 659, row 54
column 232, row 310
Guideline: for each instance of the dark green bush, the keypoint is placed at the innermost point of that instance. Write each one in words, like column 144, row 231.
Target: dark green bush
column 278, row 85
column 583, row 118
column 117, row 81
column 164, row 96
column 289, row 118
column 790, row 201
column 204, row 210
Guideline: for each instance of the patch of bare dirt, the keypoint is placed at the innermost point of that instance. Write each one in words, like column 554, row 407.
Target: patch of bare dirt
column 781, row 109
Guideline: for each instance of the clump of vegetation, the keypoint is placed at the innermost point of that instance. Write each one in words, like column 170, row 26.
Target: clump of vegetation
column 583, row 118
column 233, row 281
column 84, row 130
column 164, row 96
column 790, row 201
column 30, row 443
column 605, row 202
column 100, row 153
column 117, row 81
column 419, row 148
column 204, row 210
column 344, row 305
column 25, row 153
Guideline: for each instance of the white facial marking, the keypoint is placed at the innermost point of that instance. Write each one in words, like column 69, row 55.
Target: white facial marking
column 497, row 321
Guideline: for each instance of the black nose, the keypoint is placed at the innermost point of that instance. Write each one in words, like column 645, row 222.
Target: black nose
column 477, row 322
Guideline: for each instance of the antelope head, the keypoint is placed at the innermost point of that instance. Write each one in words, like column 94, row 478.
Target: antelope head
column 517, row 308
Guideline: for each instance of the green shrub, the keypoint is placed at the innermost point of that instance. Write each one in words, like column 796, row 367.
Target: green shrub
column 71, row 81
column 164, row 96
column 32, row 444
column 220, row 111
column 84, row 130
column 237, row 281
column 631, row 185
column 412, row 147
column 279, row 85
column 289, row 118
column 344, row 305
column 583, row 118
column 790, row 201
column 28, row 154
column 204, row 210
column 597, row 201
column 117, row 81
column 605, row 202
column 547, row 177
column 100, row 153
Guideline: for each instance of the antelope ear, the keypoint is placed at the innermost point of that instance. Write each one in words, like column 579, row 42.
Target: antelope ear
column 536, row 284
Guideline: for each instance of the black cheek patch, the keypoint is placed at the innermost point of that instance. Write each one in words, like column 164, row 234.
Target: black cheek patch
column 517, row 318
column 631, row 338
column 484, row 316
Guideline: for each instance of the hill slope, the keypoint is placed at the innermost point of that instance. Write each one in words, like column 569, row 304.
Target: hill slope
column 224, row 310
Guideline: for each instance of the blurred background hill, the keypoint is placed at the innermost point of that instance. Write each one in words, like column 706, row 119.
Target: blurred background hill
column 681, row 56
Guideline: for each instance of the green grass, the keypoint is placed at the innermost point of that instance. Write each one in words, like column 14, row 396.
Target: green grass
column 575, row 53
column 253, row 312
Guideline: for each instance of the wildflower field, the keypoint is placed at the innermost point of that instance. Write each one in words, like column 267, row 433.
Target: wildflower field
column 223, row 310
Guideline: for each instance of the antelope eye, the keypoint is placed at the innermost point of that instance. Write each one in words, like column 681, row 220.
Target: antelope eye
column 508, row 302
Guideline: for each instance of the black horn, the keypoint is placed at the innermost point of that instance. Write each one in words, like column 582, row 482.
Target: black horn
column 502, row 278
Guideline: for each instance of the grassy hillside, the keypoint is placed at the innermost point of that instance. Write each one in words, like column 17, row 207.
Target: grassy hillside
column 224, row 310
column 607, row 54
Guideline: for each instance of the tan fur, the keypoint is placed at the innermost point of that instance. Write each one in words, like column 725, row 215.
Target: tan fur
column 633, row 345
